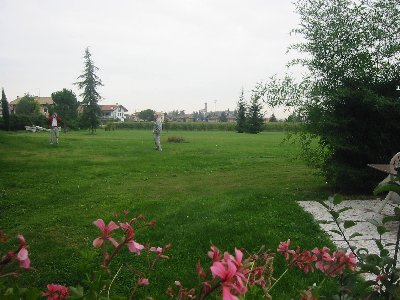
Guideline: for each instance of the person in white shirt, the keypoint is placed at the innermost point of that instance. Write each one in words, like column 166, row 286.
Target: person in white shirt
column 157, row 132
column 54, row 121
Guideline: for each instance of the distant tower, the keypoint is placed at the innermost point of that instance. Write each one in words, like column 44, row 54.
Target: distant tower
column 205, row 106
column 215, row 105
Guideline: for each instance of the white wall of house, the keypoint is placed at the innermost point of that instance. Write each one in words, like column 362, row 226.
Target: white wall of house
column 119, row 114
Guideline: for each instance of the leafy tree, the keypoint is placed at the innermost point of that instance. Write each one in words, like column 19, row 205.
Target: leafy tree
column 348, row 100
column 89, row 83
column 241, row 114
column 273, row 118
column 66, row 105
column 5, row 110
column 27, row 105
column 294, row 117
column 223, row 117
column 254, row 117
column 147, row 115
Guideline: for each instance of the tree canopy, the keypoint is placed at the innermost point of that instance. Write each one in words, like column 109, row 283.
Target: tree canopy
column 5, row 110
column 66, row 105
column 27, row 105
column 348, row 98
column 89, row 83
column 147, row 115
column 241, row 114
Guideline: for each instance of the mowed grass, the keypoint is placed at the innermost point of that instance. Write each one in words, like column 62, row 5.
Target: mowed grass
column 228, row 189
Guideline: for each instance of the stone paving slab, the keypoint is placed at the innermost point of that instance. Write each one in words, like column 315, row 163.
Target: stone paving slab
column 361, row 212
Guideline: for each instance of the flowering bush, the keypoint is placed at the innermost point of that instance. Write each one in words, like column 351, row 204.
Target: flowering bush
column 232, row 276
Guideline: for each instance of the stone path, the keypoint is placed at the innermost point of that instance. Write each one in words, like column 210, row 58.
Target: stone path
column 361, row 212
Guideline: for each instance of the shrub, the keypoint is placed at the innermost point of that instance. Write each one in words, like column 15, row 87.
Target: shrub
column 175, row 139
column 18, row 122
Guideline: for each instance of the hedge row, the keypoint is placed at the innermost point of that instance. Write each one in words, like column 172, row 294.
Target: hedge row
column 205, row 126
column 18, row 122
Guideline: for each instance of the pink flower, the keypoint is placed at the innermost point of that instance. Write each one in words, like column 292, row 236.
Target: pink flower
column 224, row 271
column 135, row 247
column 143, row 281
column 130, row 233
column 336, row 263
column 56, row 292
column 128, row 229
column 160, row 251
column 22, row 255
column 231, row 273
column 157, row 250
column 105, row 233
column 199, row 270
column 214, row 253
column 227, row 295
column 307, row 295
column 284, row 249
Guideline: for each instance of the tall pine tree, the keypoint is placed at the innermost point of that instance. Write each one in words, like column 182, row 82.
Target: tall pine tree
column 254, row 118
column 5, row 110
column 241, row 114
column 89, row 83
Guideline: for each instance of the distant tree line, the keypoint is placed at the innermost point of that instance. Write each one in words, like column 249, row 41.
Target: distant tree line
column 249, row 117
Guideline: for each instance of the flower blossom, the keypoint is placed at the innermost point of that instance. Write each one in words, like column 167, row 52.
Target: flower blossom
column 284, row 249
column 214, row 254
column 160, row 251
column 307, row 295
column 129, row 235
column 56, row 292
column 304, row 260
column 143, row 281
column 105, row 233
column 336, row 263
column 231, row 272
column 22, row 255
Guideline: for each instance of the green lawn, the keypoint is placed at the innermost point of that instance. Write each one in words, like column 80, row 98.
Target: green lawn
column 229, row 189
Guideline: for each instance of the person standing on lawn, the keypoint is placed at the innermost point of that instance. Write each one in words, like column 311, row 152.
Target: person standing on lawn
column 54, row 121
column 157, row 132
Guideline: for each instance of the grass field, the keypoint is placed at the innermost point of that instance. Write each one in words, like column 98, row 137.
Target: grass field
column 229, row 189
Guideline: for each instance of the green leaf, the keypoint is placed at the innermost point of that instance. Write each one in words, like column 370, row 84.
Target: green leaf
column 355, row 234
column 381, row 229
column 336, row 231
column 389, row 219
column 344, row 209
column 353, row 248
column 387, row 187
column 337, row 199
column 379, row 244
column 348, row 224
column 334, row 214
column 384, row 252
column 362, row 252
column 323, row 204
column 397, row 211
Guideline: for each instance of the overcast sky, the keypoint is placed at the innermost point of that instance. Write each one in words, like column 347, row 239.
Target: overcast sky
column 157, row 54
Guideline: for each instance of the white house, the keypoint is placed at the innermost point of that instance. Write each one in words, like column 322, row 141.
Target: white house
column 115, row 111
